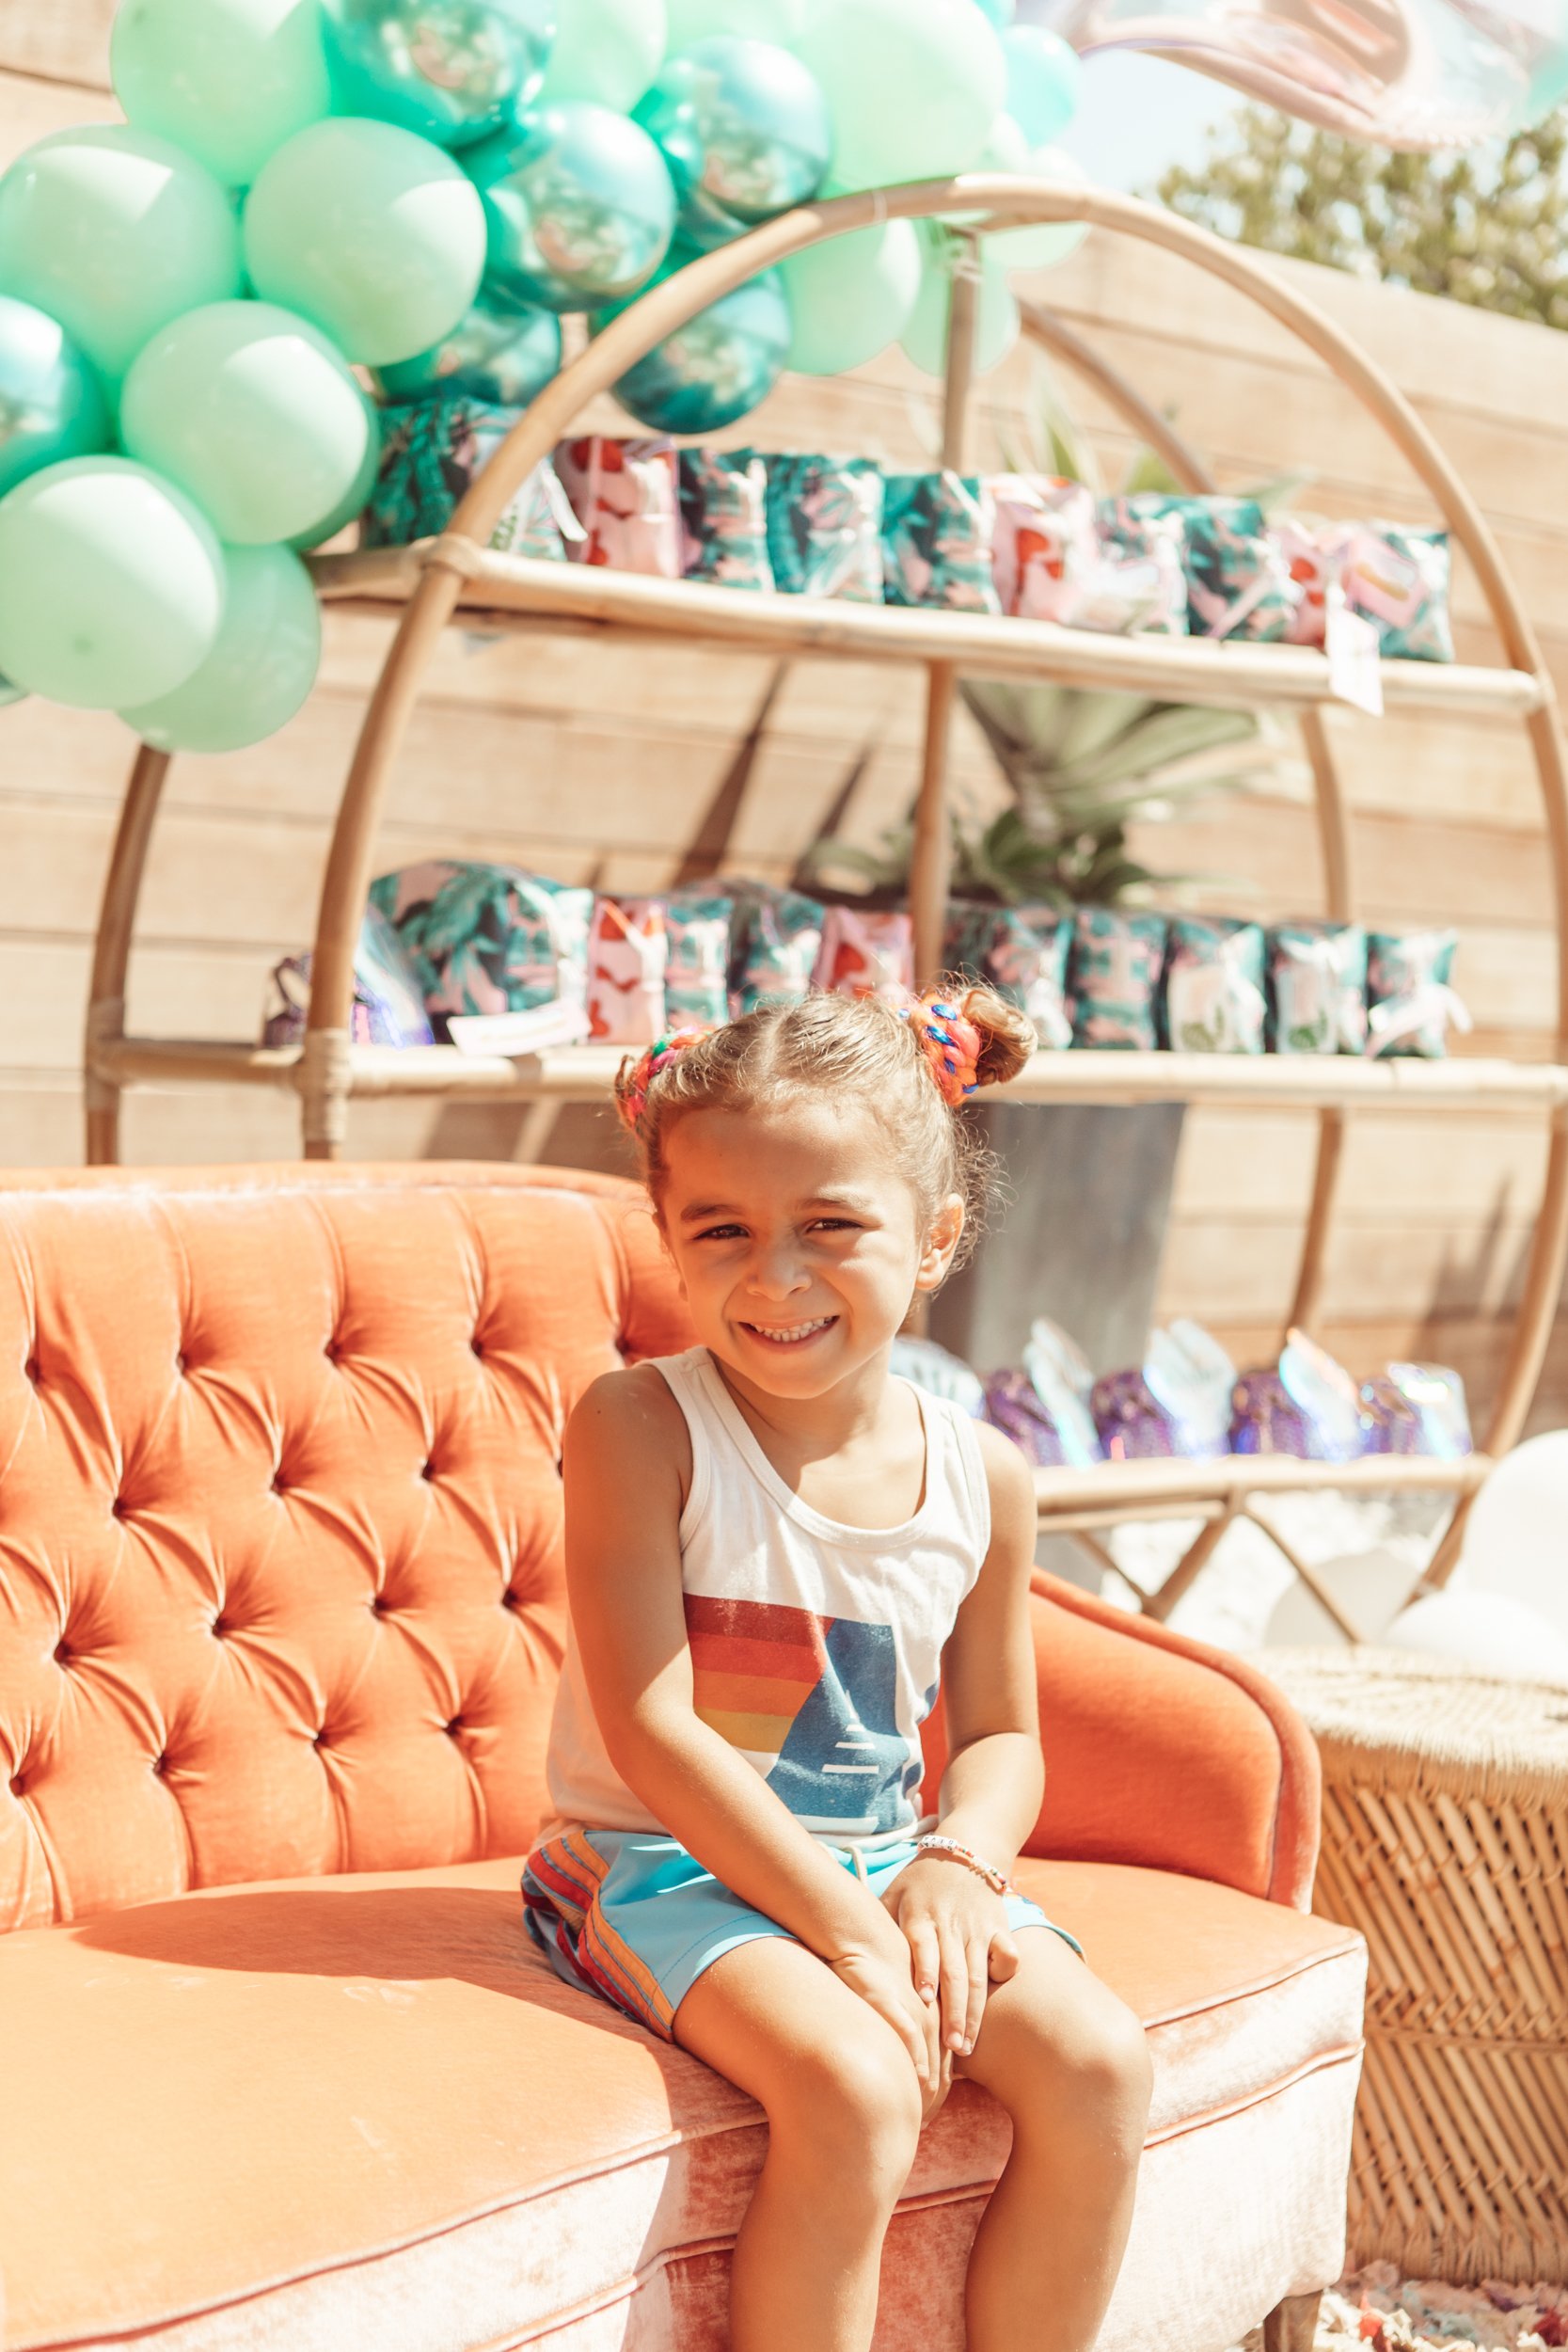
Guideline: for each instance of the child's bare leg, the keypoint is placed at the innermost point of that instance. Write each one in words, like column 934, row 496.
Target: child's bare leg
column 842, row 2106
column 1070, row 2062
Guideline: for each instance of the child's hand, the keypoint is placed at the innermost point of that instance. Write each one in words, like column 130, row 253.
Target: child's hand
column 960, row 1945
column 886, row 1986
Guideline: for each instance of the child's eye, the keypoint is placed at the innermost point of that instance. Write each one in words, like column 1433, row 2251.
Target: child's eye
column 837, row 1225
column 720, row 1232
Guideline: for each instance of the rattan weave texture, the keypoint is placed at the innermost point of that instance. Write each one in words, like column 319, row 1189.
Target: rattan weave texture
column 1446, row 1842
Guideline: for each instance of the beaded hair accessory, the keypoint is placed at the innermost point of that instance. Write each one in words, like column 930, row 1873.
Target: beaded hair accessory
column 951, row 1044
column 632, row 1099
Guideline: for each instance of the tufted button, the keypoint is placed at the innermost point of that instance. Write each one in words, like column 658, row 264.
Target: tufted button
column 182, row 1365
column 510, row 1599
column 333, row 1350
column 320, row 1740
column 62, row 1653
column 456, row 1727
column 278, row 1485
column 221, row 1628
column 120, row 1507
column 428, row 1472
column 160, row 1765
column 34, row 1371
column 477, row 1345
column 380, row 1605
column 18, row 1785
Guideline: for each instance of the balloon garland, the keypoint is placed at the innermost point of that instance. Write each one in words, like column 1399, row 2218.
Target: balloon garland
column 306, row 191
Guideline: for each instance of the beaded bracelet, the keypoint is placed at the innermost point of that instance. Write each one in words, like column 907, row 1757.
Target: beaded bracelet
column 998, row 1881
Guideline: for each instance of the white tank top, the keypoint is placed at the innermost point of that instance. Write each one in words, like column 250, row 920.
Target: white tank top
column 815, row 1647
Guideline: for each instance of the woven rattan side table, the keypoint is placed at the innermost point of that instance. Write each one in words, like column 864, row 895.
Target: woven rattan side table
column 1446, row 1842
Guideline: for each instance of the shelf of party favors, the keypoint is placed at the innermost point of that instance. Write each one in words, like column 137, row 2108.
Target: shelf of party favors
column 502, row 590
column 583, row 1073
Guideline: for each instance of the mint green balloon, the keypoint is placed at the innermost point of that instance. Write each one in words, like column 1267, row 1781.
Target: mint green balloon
column 111, row 584
column 114, row 233
column 355, row 501
column 915, row 85
column 605, row 50
column 778, row 21
column 1045, row 243
column 229, row 80
column 251, row 410
column 373, row 234
column 260, row 670
column 852, row 297
column 1045, row 81
column 924, row 339
column 50, row 402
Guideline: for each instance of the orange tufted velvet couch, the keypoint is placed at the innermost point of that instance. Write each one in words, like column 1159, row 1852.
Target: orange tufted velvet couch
column 280, row 1616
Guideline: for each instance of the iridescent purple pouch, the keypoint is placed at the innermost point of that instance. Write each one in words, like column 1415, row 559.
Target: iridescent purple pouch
column 1390, row 1422
column 1434, row 1398
column 1307, row 1406
column 1014, row 1406
column 1132, row 1426
column 1059, row 1374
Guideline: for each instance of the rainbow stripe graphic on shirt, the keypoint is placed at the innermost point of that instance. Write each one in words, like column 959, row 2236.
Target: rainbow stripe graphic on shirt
column 810, row 1702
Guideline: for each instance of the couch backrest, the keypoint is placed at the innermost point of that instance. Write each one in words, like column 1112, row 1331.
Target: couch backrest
column 281, row 1561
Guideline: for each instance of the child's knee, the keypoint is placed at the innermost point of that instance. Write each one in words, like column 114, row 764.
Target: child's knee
column 1093, row 2065
column 854, row 2108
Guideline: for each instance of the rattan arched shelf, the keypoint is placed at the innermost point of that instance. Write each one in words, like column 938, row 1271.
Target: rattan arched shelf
column 429, row 584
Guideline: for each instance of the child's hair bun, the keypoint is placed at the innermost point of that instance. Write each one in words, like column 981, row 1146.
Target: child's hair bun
column 1008, row 1041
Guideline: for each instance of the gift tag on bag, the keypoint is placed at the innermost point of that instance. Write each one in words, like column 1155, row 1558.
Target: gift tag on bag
column 1352, row 643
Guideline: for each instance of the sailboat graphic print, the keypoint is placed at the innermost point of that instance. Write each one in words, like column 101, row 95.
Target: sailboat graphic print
column 810, row 1702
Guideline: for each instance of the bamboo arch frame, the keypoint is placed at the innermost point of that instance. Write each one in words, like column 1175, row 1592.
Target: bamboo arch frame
column 979, row 202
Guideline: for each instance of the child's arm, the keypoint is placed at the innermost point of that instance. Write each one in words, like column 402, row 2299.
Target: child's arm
column 626, row 1446
column 991, row 1794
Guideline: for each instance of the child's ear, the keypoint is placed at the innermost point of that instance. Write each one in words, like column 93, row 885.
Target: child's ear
column 941, row 1244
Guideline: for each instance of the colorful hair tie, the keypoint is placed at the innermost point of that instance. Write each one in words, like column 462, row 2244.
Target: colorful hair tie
column 951, row 1044
column 633, row 1094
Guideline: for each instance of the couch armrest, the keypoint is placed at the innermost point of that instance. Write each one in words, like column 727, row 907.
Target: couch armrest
column 1165, row 1752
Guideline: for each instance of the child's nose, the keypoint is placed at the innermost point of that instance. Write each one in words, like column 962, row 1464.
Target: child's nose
column 777, row 1272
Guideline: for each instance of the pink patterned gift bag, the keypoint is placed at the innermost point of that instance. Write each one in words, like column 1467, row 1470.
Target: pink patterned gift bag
column 866, row 954
column 625, row 495
column 628, row 950
column 1046, row 550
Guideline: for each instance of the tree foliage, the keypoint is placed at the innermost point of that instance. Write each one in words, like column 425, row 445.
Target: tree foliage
column 1486, row 225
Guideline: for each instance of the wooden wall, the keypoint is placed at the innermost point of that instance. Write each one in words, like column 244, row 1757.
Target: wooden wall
column 607, row 764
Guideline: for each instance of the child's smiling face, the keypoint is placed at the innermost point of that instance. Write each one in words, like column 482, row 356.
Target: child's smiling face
column 799, row 1244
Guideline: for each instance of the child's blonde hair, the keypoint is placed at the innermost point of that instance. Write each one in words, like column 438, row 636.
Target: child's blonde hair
column 877, row 1054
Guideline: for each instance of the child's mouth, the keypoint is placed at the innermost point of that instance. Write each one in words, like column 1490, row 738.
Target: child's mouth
column 784, row 1336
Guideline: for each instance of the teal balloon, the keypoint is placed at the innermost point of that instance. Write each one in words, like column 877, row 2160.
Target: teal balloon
column 261, row 667
column 851, row 296
column 114, row 231
column 915, row 85
column 51, row 405
column 253, row 413
column 227, row 80
column 924, row 339
column 745, row 130
column 718, row 367
column 1044, row 82
column 998, row 12
column 578, row 207
column 451, row 70
column 374, row 236
column 605, row 50
column 502, row 351
column 779, row 20
column 355, row 500
column 1043, row 243
column 111, row 584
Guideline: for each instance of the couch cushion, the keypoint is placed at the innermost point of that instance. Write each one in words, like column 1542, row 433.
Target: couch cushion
column 326, row 2114
column 281, row 1575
